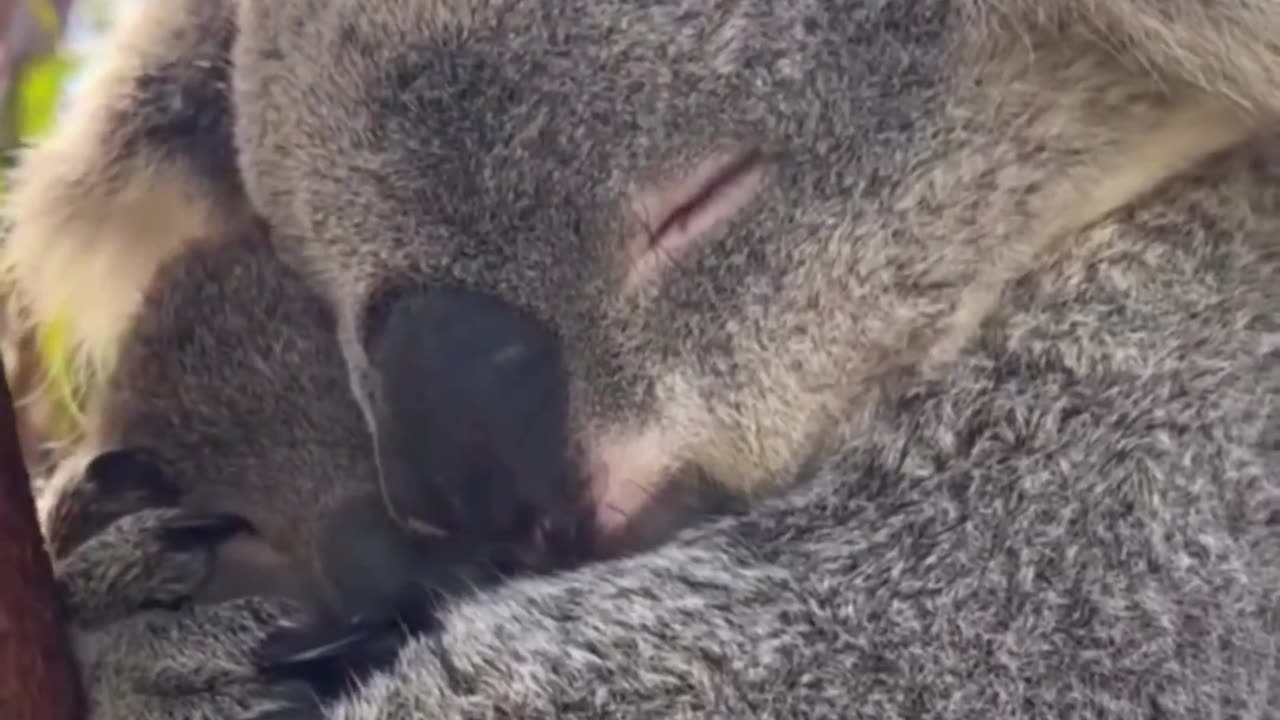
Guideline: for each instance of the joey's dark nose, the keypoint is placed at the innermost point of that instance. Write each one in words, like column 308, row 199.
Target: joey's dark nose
column 364, row 562
column 469, row 408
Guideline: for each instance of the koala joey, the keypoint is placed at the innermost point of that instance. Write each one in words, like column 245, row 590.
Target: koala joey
column 971, row 301
column 229, row 400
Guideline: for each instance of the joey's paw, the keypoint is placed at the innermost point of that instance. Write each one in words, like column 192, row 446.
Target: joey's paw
column 150, row 559
column 193, row 663
column 330, row 656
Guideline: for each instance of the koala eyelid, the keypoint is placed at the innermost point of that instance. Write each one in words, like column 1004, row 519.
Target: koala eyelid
column 677, row 216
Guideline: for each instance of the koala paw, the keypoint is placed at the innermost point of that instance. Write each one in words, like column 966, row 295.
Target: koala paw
column 150, row 559
column 147, row 651
column 195, row 663
column 331, row 656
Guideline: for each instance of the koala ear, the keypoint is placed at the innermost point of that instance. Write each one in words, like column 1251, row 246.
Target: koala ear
column 131, row 473
column 113, row 484
column 141, row 168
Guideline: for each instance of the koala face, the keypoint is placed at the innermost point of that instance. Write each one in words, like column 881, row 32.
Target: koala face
column 663, row 187
column 230, row 399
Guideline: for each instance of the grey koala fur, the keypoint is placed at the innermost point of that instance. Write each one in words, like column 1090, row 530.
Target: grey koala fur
column 1006, row 387
column 230, row 396
column 137, row 196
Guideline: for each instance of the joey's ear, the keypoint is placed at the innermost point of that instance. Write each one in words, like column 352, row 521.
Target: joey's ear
column 141, row 167
column 113, row 484
column 132, row 473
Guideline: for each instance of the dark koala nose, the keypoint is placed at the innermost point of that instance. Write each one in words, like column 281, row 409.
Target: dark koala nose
column 469, row 408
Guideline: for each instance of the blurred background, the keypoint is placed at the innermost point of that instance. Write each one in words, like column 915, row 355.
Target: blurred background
column 46, row 48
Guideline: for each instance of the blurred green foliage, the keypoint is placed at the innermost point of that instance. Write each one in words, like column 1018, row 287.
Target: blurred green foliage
column 41, row 83
column 37, row 83
column 36, row 93
column 32, row 102
column 45, row 14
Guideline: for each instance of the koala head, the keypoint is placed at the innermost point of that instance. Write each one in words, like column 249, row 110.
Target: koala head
column 662, row 188
column 657, row 247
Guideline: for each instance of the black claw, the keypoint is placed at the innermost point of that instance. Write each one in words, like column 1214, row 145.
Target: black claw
column 288, row 713
column 295, row 701
column 190, row 531
column 289, row 649
column 332, row 656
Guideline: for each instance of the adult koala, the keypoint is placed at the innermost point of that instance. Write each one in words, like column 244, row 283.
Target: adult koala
column 975, row 298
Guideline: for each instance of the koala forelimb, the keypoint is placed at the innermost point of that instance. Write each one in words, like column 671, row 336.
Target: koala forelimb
column 1193, row 129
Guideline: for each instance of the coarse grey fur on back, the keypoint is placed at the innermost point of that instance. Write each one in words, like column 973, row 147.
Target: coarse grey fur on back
column 994, row 347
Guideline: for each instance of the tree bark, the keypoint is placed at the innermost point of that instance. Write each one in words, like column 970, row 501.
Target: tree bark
column 38, row 675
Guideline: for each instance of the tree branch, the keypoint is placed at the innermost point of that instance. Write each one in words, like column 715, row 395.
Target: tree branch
column 38, row 675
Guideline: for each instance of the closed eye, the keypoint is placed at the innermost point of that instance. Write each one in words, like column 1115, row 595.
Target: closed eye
column 678, row 215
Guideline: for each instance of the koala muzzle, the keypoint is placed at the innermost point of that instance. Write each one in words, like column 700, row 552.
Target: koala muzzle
column 469, row 405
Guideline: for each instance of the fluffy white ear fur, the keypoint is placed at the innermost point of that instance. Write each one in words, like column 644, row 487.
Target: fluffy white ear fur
column 93, row 209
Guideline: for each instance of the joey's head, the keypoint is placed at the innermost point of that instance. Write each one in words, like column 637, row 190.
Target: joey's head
column 681, row 204
column 230, row 398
